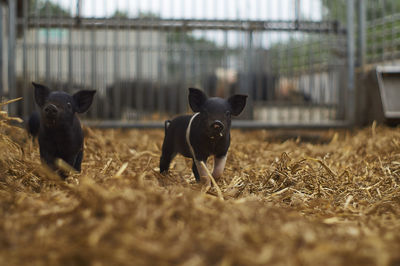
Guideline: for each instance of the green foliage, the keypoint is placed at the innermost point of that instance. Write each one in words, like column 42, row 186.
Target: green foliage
column 148, row 15
column 383, row 34
column 119, row 14
column 43, row 8
column 374, row 9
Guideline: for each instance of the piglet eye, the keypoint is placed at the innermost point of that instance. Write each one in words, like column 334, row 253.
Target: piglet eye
column 69, row 105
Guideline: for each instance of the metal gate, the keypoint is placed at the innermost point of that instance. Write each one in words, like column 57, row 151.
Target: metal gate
column 294, row 58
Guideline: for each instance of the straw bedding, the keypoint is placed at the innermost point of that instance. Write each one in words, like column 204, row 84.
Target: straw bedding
column 285, row 202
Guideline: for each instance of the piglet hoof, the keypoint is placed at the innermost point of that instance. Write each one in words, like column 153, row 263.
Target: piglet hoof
column 164, row 173
column 205, row 183
column 217, row 177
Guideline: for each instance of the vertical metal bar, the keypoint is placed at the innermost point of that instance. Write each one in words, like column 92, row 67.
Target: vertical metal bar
column 93, row 61
column 247, row 88
column 94, row 85
column 206, row 70
column 26, row 101
column 138, row 87
column 297, row 11
column 169, row 70
column 330, row 68
column 120, row 102
column 82, row 52
column 372, row 40
column 393, row 32
column 37, row 44
column 107, row 112
column 59, row 55
column 226, row 60
column 1, row 51
column 47, row 75
column 383, row 32
column 70, row 56
column 322, row 70
column 182, row 79
column 160, row 77
column 128, row 79
column 362, row 16
column 271, row 56
column 350, row 60
column 151, row 77
column 182, row 86
column 313, row 65
column 117, row 82
column 11, row 53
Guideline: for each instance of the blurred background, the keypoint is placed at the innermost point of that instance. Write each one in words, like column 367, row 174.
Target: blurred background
column 303, row 63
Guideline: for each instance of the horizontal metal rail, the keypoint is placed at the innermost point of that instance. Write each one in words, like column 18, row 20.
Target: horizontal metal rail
column 275, row 104
column 240, row 124
column 187, row 24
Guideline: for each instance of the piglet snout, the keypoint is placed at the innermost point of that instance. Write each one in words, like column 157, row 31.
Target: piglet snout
column 217, row 126
column 51, row 110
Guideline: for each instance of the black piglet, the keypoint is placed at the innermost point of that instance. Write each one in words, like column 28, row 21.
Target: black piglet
column 57, row 125
column 203, row 134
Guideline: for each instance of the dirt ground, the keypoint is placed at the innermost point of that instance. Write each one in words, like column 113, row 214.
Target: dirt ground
column 284, row 202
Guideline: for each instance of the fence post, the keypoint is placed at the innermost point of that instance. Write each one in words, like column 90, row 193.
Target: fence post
column 350, row 62
column 361, row 33
column 11, row 54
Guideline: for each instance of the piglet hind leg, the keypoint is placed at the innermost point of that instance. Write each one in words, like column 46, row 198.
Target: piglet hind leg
column 165, row 161
column 78, row 161
column 167, row 154
column 219, row 166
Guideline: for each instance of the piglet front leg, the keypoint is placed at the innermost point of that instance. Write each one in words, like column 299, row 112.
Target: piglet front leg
column 219, row 166
column 201, row 173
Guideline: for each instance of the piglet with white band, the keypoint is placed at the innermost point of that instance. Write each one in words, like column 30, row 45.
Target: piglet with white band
column 203, row 134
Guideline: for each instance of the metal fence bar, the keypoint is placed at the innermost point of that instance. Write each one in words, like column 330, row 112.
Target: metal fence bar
column 393, row 32
column 11, row 53
column 47, row 26
column 107, row 108
column 70, row 55
column 192, row 24
column 117, row 89
column 59, row 56
column 139, row 63
column 350, row 60
column 239, row 124
column 94, row 83
column 24, row 64
column 36, row 46
column 362, row 17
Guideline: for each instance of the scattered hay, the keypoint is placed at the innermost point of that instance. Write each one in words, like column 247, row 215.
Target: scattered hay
column 285, row 203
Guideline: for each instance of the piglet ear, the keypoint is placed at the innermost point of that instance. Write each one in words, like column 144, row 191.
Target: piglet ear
column 237, row 103
column 196, row 99
column 41, row 94
column 83, row 100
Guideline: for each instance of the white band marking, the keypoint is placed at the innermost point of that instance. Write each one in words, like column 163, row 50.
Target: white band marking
column 200, row 168
column 188, row 135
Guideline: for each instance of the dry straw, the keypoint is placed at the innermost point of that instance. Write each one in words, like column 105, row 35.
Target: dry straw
column 285, row 203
